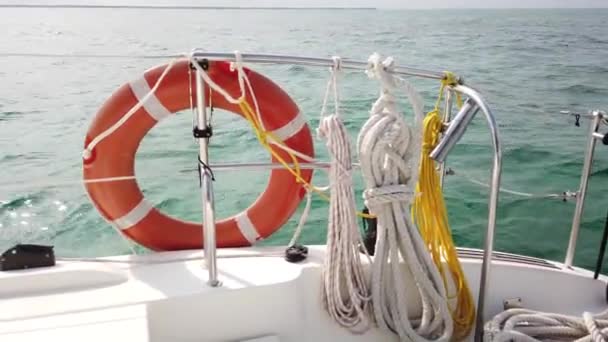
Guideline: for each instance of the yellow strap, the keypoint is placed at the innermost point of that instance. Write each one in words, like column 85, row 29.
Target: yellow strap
column 430, row 215
column 263, row 137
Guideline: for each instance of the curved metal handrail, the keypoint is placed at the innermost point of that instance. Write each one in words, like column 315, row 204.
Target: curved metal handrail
column 492, row 204
column 345, row 63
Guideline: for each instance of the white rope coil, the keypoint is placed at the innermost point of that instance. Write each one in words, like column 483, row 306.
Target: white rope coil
column 523, row 325
column 388, row 155
column 345, row 291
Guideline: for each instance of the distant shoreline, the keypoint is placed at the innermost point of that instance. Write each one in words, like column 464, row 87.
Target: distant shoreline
column 179, row 7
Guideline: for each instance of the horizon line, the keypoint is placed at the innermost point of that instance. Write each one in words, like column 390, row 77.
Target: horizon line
column 173, row 7
column 194, row 7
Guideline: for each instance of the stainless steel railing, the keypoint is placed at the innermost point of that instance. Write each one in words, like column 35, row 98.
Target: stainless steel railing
column 450, row 138
column 597, row 117
column 484, row 282
column 206, row 179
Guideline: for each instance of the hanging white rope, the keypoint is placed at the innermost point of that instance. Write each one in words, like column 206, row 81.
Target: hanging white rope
column 243, row 81
column 86, row 154
column 522, row 325
column 303, row 218
column 345, row 291
column 388, row 155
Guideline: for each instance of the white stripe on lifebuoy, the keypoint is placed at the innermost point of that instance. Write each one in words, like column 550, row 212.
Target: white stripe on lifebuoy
column 291, row 128
column 153, row 106
column 134, row 216
column 247, row 228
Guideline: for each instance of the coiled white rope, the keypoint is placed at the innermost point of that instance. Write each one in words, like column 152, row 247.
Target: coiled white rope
column 523, row 325
column 345, row 290
column 385, row 147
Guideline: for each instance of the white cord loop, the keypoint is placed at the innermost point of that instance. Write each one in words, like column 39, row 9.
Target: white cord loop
column 87, row 153
column 240, row 76
column 523, row 325
column 388, row 154
column 337, row 63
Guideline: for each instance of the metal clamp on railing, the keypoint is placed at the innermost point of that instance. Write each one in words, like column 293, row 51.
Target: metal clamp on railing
column 597, row 118
column 456, row 129
column 452, row 135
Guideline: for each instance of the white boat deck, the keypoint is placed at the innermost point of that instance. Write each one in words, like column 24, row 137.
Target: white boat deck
column 164, row 297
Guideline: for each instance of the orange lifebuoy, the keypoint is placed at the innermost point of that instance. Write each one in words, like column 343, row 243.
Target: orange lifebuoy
column 123, row 204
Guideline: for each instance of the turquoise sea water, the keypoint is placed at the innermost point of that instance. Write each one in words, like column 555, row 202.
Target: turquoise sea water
column 530, row 64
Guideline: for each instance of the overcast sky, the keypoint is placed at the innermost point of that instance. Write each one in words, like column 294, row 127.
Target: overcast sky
column 340, row 3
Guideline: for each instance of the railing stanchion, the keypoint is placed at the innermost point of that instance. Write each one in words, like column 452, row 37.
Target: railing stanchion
column 203, row 133
column 582, row 190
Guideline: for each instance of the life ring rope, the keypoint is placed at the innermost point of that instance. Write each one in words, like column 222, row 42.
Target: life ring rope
column 145, row 96
column 265, row 137
column 144, row 93
column 88, row 150
column 157, row 95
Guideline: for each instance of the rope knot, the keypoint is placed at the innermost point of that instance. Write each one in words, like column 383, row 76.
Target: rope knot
column 450, row 79
column 323, row 130
column 337, row 63
column 387, row 194
column 427, row 147
column 382, row 70
column 263, row 138
column 238, row 61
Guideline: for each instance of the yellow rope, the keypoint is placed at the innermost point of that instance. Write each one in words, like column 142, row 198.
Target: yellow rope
column 430, row 214
column 263, row 137
column 449, row 79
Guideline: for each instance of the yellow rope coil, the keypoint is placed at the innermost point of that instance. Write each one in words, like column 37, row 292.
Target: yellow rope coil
column 430, row 215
